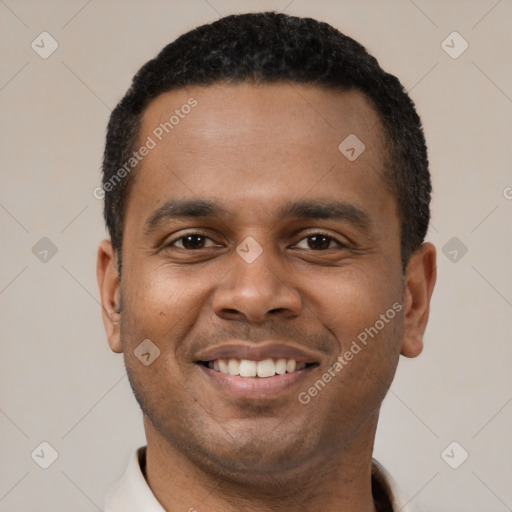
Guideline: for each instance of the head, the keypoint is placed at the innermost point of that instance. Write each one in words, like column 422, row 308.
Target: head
column 244, row 123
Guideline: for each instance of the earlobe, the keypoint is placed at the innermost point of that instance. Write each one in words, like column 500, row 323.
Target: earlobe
column 110, row 294
column 419, row 284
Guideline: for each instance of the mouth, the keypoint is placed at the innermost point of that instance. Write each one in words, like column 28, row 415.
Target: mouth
column 257, row 371
column 261, row 369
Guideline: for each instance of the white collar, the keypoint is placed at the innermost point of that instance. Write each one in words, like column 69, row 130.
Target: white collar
column 132, row 493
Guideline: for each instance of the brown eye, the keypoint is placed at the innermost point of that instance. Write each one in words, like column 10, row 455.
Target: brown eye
column 190, row 242
column 320, row 242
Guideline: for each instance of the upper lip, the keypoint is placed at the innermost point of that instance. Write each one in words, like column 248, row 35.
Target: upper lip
column 258, row 352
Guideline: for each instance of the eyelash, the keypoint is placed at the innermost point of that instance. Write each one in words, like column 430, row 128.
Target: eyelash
column 340, row 244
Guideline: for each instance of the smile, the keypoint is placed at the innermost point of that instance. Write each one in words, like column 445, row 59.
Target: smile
column 255, row 369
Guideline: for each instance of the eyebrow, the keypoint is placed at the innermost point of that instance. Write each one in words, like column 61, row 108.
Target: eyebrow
column 176, row 209
column 316, row 209
column 183, row 209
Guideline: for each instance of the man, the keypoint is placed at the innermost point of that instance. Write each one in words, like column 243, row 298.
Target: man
column 267, row 197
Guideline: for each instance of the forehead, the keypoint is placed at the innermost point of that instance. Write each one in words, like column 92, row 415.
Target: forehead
column 264, row 113
column 253, row 147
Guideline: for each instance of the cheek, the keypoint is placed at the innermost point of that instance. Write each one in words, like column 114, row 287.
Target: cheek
column 353, row 299
column 163, row 304
column 363, row 309
column 162, row 308
column 360, row 376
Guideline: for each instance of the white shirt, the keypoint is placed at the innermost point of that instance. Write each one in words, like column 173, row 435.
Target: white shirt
column 133, row 494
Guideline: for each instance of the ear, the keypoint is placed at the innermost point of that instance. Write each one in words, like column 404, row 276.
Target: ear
column 420, row 279
column 110, row 293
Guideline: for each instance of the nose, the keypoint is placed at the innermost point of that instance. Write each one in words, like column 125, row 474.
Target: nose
column 256, row 290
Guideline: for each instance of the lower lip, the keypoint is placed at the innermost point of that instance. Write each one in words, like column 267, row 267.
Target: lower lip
column 256, row 387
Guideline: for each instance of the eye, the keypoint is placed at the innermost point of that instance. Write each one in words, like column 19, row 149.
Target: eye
column 191, row 241
column 320, row 242
column 315, row 241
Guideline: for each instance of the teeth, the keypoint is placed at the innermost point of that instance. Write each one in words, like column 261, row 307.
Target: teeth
column 234, row 367
column 281, row 366
column 266, row 368
column 248, row 368
column 223, row 366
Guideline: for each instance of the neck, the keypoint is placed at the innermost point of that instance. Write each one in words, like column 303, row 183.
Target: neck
column 328, row 484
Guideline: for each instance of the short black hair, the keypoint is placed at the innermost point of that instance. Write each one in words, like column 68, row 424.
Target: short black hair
column 270, row 47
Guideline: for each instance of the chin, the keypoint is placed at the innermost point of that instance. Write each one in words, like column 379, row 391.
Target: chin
column 257, row 467
column 253, row 456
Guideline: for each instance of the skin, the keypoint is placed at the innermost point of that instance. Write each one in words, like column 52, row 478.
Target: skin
column 252, row 148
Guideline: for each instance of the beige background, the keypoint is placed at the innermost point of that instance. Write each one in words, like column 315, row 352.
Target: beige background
column 60, row 383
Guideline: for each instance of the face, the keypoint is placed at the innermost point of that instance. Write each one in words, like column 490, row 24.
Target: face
column 249, row 236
